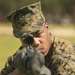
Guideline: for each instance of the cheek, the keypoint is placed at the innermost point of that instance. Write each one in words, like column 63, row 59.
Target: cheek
column 46, row 37
column 45, row 40
column 46, row 43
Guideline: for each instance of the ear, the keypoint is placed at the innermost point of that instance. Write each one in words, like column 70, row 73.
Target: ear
column 47, row 27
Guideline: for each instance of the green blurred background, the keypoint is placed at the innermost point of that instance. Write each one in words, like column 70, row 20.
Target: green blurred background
column 60, row 15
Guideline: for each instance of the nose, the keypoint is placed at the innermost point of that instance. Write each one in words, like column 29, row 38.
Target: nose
column 36, row 42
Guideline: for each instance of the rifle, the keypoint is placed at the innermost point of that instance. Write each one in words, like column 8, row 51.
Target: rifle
column 31, row 62
column 28, row 39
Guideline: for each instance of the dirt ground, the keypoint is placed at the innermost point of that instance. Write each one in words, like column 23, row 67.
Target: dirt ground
column 64, row 32
column 6, row 31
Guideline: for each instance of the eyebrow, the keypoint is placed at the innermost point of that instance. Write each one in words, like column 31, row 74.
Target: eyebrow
column 35, row 32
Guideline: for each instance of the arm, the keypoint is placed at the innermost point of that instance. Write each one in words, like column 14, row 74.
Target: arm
column 16, row 72
column 0, row 74
column 9, row 66
column 63, row 64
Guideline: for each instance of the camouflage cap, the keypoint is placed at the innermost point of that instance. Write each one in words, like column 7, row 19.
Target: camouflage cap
column 28, row 19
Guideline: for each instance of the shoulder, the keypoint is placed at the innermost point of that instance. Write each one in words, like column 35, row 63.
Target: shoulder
column 63, row 45
column 9, row 66
column 63, row 57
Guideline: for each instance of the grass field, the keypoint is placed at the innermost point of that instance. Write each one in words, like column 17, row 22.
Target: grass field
column 9, row 44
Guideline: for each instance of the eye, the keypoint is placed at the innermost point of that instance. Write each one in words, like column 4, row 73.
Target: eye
column 37, row 34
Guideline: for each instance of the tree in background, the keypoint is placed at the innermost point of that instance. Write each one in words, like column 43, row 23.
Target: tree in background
column 52, row 9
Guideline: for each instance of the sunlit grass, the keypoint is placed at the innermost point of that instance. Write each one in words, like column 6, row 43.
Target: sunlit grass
column 64, row 26
column 8, row 45
column 70, row 38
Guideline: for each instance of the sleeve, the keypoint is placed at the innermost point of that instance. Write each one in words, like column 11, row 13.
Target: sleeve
column 64, row 63
column 63, row 60
column 9, row 66
column 63, row 68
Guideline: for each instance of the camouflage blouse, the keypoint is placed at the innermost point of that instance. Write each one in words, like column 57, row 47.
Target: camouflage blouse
column 61, row 57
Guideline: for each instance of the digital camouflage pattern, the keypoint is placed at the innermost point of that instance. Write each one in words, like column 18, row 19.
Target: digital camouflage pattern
column 27, row 19
column 60, row 59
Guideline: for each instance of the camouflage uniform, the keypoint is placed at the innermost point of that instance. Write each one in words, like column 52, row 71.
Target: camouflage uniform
column 60, row 58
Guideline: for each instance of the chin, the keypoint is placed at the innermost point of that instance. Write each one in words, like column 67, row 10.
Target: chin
column 44, row 54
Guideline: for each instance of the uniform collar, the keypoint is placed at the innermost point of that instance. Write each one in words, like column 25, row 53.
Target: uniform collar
column 50, row 53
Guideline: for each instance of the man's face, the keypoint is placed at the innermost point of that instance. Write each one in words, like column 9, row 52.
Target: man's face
column 42, row 40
